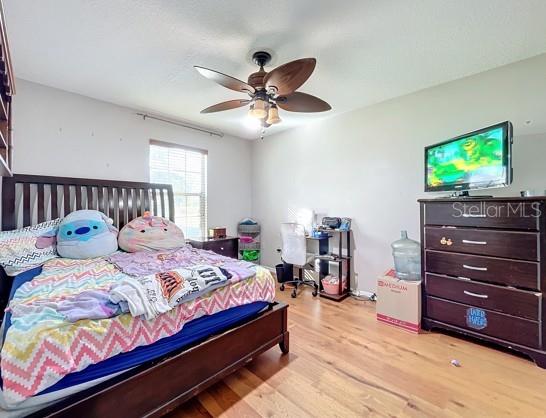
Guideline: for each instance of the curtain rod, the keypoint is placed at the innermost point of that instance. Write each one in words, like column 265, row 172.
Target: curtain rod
column 182, row 124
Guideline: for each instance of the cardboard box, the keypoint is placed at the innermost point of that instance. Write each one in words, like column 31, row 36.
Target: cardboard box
column 399, row 302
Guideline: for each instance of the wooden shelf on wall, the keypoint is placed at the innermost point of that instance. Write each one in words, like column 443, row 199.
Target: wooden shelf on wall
column 3, row 110
column 5, row 170
column 3, row 138
column 7, row 90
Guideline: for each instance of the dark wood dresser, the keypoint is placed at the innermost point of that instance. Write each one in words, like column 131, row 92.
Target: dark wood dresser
column 483, row 264
column 228, row 246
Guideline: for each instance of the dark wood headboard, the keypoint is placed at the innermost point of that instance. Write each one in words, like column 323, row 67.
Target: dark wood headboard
column 28, row 199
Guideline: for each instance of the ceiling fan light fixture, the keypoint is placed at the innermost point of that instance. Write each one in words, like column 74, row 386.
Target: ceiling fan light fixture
column 257, row 110
column 252, row 123
column 273, row 116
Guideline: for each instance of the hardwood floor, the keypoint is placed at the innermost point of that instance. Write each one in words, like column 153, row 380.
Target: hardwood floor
column 344, row 363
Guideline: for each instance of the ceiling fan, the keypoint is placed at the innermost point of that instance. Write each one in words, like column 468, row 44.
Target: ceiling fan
column 269, row 90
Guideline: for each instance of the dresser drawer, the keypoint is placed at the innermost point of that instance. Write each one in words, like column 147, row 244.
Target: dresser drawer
column 493, row 324
column 228, row 247
column 508, row 244
column 523, row 274
column 506, row 215
column 507, row 300
column 224, row 247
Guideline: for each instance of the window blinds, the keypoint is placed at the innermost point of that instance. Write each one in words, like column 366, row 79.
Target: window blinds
column 186, row 169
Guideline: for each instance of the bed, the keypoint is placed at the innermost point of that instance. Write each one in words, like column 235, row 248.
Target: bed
column 172, row 370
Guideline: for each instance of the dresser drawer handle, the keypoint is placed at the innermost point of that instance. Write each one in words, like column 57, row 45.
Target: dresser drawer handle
column 476, row 295
column 221, row 248
column 474, row 268
column 445, row 241
column 467, row 241
column 474, row 215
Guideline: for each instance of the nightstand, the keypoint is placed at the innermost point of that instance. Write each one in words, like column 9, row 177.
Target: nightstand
column 228, row 246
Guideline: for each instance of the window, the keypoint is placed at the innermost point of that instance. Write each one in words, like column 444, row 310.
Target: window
column 186, row 169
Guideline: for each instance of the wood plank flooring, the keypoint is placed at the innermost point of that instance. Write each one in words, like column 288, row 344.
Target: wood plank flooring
column 343, row 363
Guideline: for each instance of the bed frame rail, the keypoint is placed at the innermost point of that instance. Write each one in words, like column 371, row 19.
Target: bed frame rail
column 153, row 390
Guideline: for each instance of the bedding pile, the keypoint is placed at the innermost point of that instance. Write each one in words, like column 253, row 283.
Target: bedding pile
column 158, row 293
column 44, row 343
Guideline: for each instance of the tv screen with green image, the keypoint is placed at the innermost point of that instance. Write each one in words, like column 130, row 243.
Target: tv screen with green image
column 476, row 160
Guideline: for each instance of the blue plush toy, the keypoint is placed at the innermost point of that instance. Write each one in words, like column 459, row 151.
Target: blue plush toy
column 86, row 234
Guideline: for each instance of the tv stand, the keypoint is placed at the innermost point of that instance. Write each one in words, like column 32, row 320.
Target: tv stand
column 466, row 195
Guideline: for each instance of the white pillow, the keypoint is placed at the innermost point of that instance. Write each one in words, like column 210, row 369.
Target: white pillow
column 26, row 248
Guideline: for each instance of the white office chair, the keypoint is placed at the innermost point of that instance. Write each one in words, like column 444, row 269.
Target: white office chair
column 294, row 253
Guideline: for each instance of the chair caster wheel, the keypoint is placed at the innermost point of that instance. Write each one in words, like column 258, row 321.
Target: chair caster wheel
column 293, row 293
column 282, row 288
column 315, row 292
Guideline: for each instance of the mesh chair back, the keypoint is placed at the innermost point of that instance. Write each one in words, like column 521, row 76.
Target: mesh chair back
column 293, row 244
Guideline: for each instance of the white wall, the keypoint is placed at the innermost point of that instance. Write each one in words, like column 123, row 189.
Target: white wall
column 63, row 134
column 368, row 164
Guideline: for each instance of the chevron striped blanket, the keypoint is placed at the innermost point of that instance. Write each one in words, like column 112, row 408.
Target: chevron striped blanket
column 41, row 346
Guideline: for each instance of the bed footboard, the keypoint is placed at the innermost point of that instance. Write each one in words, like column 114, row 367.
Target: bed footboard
column 157, row 388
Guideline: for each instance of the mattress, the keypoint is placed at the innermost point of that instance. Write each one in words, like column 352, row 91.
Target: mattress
column 194, row 331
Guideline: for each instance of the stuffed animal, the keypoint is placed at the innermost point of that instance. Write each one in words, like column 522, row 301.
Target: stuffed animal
column 86, row 234
column 148, row 233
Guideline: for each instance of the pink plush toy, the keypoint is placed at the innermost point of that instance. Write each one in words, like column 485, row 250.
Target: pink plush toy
column 148, row 233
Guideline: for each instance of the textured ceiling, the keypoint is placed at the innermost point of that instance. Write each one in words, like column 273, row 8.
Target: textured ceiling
column 140, row 53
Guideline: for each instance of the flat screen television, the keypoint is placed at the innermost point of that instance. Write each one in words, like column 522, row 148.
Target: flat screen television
column 477, row 160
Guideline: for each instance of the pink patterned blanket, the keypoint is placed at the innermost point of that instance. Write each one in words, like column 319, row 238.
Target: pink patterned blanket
column 40, row 349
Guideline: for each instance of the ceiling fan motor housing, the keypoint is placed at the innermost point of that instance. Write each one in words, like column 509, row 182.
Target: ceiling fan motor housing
column 256, row 80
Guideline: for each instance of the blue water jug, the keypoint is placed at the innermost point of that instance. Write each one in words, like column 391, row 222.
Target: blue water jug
column 407, row 258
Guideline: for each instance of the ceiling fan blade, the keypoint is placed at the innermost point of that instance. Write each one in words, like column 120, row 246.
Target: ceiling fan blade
column 302, row 102
column 288, row 77
column 230, row 104
column 225, row 80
